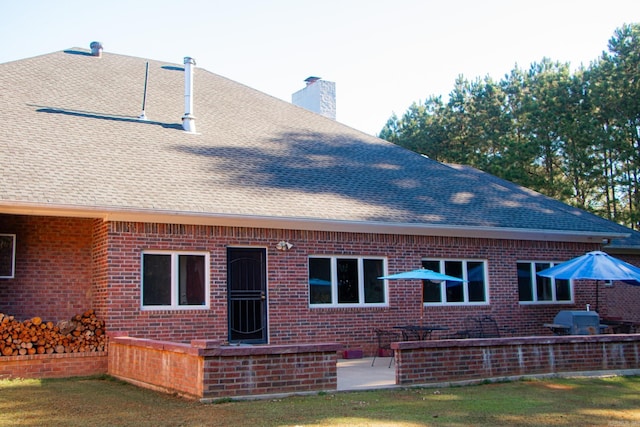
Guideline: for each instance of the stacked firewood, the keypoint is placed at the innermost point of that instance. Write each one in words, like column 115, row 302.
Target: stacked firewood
column 83, row 333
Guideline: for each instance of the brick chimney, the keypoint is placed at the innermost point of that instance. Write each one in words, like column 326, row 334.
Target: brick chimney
column 318, row 96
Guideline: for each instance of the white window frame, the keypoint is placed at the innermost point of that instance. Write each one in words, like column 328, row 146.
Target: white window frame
column 334, row 282
column 12, row 254
column 532, row 272
column 175, row 288
column 465, row 284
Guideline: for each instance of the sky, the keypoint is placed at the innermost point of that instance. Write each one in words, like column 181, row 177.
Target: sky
column 382, row 55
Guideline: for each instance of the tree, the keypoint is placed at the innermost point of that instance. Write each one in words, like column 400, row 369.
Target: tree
column 421, row 129
column 573, row 136
column 616, row 87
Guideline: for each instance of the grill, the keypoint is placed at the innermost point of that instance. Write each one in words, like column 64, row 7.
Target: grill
column 569, row 322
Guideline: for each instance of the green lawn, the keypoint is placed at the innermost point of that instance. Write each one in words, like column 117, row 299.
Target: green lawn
column 101, row 401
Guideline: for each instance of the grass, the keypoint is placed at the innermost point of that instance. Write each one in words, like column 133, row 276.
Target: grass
column 102, row 401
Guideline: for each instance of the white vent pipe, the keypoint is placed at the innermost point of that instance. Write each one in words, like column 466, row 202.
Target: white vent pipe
column 96, row 49
column 188, row 120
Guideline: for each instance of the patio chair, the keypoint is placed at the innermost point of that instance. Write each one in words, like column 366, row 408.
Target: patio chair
column 489, row 327
column 411, row 335
column 384, row 338
column 471, row 328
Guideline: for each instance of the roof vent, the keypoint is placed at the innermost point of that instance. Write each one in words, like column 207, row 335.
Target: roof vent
column 188, row 120
column 96, row 49
column 143, row 115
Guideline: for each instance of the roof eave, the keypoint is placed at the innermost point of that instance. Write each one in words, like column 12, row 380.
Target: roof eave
column 312, row 224
column 622, row 250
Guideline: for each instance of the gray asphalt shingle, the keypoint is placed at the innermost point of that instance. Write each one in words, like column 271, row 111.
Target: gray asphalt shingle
column 71, row 138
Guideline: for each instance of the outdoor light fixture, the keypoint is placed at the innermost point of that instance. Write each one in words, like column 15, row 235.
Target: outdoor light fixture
column 283, row 246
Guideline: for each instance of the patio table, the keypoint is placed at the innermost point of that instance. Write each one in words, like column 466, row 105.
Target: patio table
column 418, row 332
column 617, row 326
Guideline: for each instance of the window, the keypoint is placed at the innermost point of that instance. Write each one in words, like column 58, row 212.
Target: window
column 175, row 280
column 7, row 256
column 537, row 289
column 472, row 291
column 346, row 281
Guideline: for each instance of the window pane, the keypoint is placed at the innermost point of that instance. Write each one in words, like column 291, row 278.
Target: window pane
column 156, row 280
column 431, row 291
column 563, row 290
column 455, row 291
column 191, row 284
column 373, row 287
column 7, row 255
column 319, row 280
column 347, row 281
column 475, row 275
column 525, row 288
column 432, row 265
column 543, row 284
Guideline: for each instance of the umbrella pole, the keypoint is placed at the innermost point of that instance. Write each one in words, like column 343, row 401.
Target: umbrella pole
column 421, row 303
column 597, row 293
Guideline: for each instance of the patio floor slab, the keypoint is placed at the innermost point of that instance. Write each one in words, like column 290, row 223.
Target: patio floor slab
column 358, row 374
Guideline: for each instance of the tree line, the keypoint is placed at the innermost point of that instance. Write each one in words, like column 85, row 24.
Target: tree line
column 572, row 135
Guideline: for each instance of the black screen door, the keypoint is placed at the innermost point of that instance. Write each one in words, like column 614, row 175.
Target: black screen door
column 247, row 293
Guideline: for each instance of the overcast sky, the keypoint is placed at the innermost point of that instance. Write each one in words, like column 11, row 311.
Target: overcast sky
column 382, row 55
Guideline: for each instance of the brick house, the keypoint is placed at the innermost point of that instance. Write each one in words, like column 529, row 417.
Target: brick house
column 224, row 213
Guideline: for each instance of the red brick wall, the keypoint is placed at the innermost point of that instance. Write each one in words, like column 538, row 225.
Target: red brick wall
column 53, row 267
column 463, row 360
column 291, row 319
column 66, row 265
column 54, row 365
column 99, row 268
column 622, row 300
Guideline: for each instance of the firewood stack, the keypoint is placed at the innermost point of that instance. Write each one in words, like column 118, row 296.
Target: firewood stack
column 83, row 333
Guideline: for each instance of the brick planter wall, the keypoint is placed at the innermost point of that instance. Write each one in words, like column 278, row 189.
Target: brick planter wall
column 449, row 361
column 286, row 369
column 53, row 365
column 158, row 365
column 206, row 370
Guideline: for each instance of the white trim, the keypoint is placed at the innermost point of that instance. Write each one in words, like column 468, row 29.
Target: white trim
column 175, row 298
column 309, row 224
column 12, row 273
column 533, row 284
column 333, row 260
column 465, row 284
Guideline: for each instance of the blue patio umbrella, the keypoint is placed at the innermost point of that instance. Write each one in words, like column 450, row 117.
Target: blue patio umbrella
column 596, row 265
column 422, row 274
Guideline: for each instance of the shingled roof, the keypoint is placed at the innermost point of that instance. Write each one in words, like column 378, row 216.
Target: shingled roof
column 71, row 144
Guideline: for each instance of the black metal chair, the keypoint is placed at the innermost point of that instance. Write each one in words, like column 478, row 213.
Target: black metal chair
column 384, row 338
column 470, row 329
column 478, row 327
column 489, row 327
column 411, row 335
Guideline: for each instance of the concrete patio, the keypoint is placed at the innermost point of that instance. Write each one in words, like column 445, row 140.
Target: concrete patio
column 358, row 374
